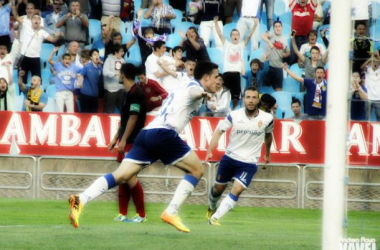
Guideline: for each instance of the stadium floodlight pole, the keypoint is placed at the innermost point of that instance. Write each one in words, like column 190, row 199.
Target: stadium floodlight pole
column 336, row 125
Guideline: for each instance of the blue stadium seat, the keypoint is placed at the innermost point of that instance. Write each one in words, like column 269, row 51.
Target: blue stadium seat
column 216, row 56
column 60, row 52
column 243, row 85
column 295, row 68
column 45, row 77
column 183, row 26
column 288, row 113
column 266, row 90
column 46, row 50
column 258, row 54
column 177, row 19
column 284, row 99
column 279, row 7
column 19, row 102
column 145, row 22
column 95, row 30
column 50, row 91
column 286, row 18
column 279, row 113
column 290, row 85
column 134, row 56
column 373, row 116
column 173, row 40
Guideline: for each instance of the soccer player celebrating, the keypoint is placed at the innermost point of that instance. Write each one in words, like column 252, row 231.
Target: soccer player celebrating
column 160, row 141
column 250, row 128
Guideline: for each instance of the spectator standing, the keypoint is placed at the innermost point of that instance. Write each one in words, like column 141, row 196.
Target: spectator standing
column 211, row 8
column 249, row 12
column 362, row 47
column 76, row 24
column 7, row 92
column 372, row 80
column 111, row 9
column 230, row 6
column 194, row 14
column 59, row 11
column 358, row 98
column 194, row 45
column 100, row 44
column 5, row 16
column 114, row 91
column 312, row 41
column 89, row 91
column 160, row 15
column 5, row 60
column 269, row 7
column 219, row 104
column 153, row 70
column 36, row 98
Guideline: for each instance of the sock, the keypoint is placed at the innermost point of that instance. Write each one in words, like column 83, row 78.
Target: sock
column 226, row 205
column 101, row 185
column 184, row 190
column 213, row 200
column 137, row 193
column 124, row 195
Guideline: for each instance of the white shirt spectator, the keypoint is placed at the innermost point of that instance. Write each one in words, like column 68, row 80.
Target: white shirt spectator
column 151, row 67
column 372, row 80
column 232, row 56
column 31, row 47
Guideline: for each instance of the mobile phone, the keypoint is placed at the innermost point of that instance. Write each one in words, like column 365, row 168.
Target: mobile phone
column 293, row 32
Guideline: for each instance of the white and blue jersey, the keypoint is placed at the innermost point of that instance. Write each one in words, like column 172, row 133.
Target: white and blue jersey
column 178, row 108
column 160, row 140
column 247, row 135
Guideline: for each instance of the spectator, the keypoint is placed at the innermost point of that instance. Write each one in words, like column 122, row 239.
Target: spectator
column 296, row 108
column 153, row 70
column 358, row 98
column 268, row 104
column 310, row 64
column 318, row 16
column 231, row 5
column 269, row 8
column 31, row 45
column 116, row 40
column 179, row 5
column 113, row 90
column 145, row 4
column 362, row 47
column 194, row 45
column 233, row 62
column 127, row 13
column 91, row 74
column 195, row 12
column 5, row 60
column 316, row 93
column 7, row 92
column 73, row 51
column 219, row 104
column 250, row 11
column 76, row 24
column 66, row 74
column 372, row 79
column 302, row 21
column 312, row 41
column 174, row 62
column 59, row 11
column 182, row 77
column 84, row 57
column 100, row 44
column 111, row 9
column 211, row 8
column 36, row 99
column 255, row 76
column 160, row 15
column 5, row 16
column 154, row 93
column 278, row 49
column 84, row 6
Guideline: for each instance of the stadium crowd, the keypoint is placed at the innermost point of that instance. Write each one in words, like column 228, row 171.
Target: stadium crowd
column 66, row 56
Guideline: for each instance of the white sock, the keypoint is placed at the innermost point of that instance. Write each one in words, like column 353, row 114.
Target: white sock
column 184, row 190
column 96, row 189
column 226, row 205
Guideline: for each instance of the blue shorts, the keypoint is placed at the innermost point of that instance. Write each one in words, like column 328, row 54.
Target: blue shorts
column 158, row 144
column 230, row 169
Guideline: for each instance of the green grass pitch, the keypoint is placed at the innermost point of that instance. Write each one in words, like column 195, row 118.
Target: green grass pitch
column 44, row 224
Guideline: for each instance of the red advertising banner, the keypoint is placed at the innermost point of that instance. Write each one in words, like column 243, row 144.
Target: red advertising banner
column 63, row 134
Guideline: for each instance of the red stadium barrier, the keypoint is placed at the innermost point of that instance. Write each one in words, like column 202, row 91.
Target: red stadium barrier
column 63, row 134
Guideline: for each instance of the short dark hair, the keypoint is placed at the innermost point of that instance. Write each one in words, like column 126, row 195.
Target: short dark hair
column 357, row 23
column 85, row 54
column 204, row 68
column 268, row 99
column 128, row 70
column 66, row 55
column 176, row 48
column 296, row 100
column 148, row 30
column 312, row 32
column 315, row 48
column 116, row 34
column 158, row 45
column 234, row 30
column 252, row 88
column 257, row 61
column 92, row 51
column 141, row 70
column 320, row 67
column 116, row 48
column 36, row 14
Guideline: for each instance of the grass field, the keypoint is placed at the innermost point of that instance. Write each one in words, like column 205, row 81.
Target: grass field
column 43, row 224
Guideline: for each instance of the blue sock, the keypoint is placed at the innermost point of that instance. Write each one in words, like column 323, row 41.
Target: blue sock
column 191, row 178
column 233, row 197
column 110, row 181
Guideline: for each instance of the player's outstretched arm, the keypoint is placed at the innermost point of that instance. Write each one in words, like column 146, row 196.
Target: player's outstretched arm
column 214, row 141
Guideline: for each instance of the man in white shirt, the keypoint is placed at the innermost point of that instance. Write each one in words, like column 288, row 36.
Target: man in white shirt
column 250, row 128
column 372, row 80
column 182, row 78
column 175, row 63
column 219, row 105
column 5, row 59
column 153, row 70
column 249, row 11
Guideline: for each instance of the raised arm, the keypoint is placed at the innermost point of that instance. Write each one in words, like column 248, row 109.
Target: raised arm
column 163, row 65
column 50, row 58
column 15, row 11
column 292, row 74
column 63, row 20
column 220, row 33
column 325, row 56
column 365, row 64
column 265, row 36
column 296, row 50
column 148, row 12
column 246, row 40
column 21, row 83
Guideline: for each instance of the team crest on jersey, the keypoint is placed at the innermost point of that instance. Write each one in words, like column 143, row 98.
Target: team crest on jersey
column 147, row 90
column 260, row 124
column 219, row 177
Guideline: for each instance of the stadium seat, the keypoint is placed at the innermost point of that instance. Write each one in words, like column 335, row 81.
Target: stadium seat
column 145, row 22
column 60, row 52
column 127, row 34
column 177, row 19
column 279, row 113
column 286, row 18
column 284, row 99
column 279, row 7
column 295, row 68
column 243, row 85
column 375, row 30
column 173, row 40
column 95, row 30
column 134, row 56
column 50, row 105
column 290, row 85
column 216, row 56
column 227, row 30
column 375, row 8
column 45, row 77
column 183, row 26
column 46, row 50
column 258, row 54
column 19, row 102
column 288, row 113
column 50, row 91
column 266, row 90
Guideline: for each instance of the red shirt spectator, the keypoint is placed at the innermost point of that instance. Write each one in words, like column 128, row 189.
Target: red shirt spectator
column 302, row 16
column 154, row 93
